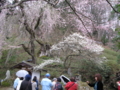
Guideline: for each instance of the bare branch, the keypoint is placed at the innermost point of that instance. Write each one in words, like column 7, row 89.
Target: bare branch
column 26, row 49
column 70, row 56
column 112, row 7
column 73, row 9
column 38, row 21
column 48, row 1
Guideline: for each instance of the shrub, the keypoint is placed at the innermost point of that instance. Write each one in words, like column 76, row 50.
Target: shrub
column 6, row 83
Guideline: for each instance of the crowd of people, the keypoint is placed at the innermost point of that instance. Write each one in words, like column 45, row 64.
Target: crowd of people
column 25, row 83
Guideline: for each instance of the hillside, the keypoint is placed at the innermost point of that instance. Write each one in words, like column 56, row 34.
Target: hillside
column 72, row 37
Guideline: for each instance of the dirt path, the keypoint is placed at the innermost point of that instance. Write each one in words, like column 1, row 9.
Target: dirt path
column 6, row 88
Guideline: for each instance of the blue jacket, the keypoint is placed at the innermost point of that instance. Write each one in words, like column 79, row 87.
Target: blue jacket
column 46, row 84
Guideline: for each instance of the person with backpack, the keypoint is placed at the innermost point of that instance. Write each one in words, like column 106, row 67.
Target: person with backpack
column 58, row 85
column 72, row 85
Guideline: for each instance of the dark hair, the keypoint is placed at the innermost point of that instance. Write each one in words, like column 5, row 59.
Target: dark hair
column 30, row 72
column 58, row 79
column 99, row 77
column 21, row 78
column 118, row 78
column 72, row 79
column 35, row 78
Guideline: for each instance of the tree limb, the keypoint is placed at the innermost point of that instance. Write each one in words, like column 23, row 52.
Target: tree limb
column 73, row 9
column 65, row 61
column 112, row 7
column 26, row 49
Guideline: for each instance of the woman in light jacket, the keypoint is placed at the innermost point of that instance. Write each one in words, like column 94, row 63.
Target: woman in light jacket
column 34, row 84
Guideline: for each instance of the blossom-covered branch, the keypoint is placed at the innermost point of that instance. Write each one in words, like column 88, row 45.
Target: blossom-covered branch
column 47, row 62
column 77, row 42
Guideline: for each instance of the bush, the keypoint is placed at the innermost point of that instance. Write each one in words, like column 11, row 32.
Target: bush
column 6, row 83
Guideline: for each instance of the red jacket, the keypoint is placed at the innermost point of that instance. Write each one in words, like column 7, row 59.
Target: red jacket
column 118, row 85
column 71, row 86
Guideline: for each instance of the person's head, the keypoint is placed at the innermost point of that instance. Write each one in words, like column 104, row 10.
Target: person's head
column 98, row 77
column 35, row 78
column 27, row 77
column 21, row 78
column 72, row 79
column 47, row 75
column 55, row 79
column 58, row 80
column 30, row 73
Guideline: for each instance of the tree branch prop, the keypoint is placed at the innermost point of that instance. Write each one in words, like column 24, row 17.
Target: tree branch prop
column 73, row 9
column 112, row 7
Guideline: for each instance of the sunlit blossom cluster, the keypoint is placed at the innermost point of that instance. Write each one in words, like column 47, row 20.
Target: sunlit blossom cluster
column 47, row 62
column 77, row 42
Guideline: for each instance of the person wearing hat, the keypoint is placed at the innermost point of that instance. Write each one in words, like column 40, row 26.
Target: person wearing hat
column 46, row 83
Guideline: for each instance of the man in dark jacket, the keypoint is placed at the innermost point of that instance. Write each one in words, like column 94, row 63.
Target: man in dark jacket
column 26, row 84
column 58, row 85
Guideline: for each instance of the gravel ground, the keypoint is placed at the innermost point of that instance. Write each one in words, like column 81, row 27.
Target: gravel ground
column 6, row 88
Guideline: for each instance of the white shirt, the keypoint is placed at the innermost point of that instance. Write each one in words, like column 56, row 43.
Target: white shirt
column 19, row 84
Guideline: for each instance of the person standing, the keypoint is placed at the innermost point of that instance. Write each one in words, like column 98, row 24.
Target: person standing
column 53, row 83
column 34, row 84
column 118, row 83
column 16, row 83
column 19, row 83
column 46, row 82
column 35, row 78
column 58, row 85
column 26, row 84
column 72, row 85
column 98, row 85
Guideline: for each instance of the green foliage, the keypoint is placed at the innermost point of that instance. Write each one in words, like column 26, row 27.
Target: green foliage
column 104, row 39
column 45, row 57
column 110, row 54
column 116, row 39
column 117, row 7
column 55, row 74
column 118, row 59
column 6, row 83
column 4, row 55
column 113, row 13
column 63, row 29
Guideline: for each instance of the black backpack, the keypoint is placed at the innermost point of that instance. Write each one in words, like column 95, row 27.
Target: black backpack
column 58, row 86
